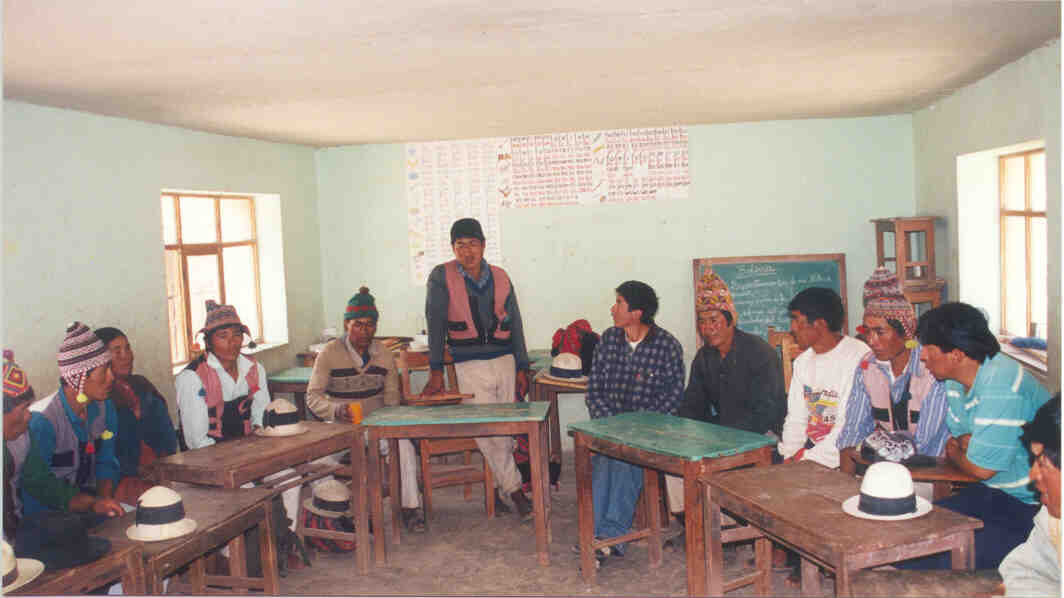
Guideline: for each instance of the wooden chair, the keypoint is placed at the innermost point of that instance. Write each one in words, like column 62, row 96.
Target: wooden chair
column 784, row 342
column 438, row 475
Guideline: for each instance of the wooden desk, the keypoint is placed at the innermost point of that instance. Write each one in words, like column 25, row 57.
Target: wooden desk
column 943, row 475
column 676, row 445
column 459, row 421
column 233, row 463
column 293, row 380
column 220, row 515
column 548, row 389
column 124, row 563
column 800, row 505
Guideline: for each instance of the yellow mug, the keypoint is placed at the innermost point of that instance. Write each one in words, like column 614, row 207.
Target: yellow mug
column 355, row 408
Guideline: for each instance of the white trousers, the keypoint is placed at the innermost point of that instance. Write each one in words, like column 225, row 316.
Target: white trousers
column 493, row 381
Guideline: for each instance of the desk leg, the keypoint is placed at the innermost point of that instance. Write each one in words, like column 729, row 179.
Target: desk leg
column 135, row 578
column 197, row 576
column 584, row 506
column 268, row 551
column 714, row 551
column 359, row 485
column 811, row 578
column 540, row 491
column 238, row 558
column 379, row 545
column 542, row 393
column 652, row 494
column 694, row 529
column 301, row 404
column 395, row 487
column 963, row 556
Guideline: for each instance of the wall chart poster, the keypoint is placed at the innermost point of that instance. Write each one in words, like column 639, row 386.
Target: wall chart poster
column 447, row 180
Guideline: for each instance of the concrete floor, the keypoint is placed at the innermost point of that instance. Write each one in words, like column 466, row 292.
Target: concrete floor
column 465, row 553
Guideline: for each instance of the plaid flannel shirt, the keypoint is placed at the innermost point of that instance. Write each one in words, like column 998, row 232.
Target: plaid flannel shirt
column 648, row 379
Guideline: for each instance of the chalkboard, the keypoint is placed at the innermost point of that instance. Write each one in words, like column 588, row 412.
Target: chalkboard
column 762, row 286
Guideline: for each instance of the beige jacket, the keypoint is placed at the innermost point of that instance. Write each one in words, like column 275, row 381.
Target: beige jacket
column 340, row 377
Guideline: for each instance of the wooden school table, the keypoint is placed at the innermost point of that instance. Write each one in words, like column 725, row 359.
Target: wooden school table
column 548, row 389
column 676, row 445
column 459, row 421
column 123, row 563
column 221, row 514
column 293, row 380
column 800, row 505
column 232, row 463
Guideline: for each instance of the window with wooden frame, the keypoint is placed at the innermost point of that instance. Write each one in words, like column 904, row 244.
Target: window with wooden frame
column 211, row 251
column 1024, row 243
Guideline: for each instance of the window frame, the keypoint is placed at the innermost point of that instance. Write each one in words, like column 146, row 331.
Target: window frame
column 216, row 248
column 1028, row 216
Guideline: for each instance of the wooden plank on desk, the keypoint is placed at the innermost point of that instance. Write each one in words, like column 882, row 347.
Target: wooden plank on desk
column 292, row 375
column 670, row 435
column 457, row 414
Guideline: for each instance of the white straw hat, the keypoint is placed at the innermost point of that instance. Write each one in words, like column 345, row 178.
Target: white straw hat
column 567, row 367
column 160, row 516
column 332, row 498
column 281, row 419
column 17, row 572
column 887, row 494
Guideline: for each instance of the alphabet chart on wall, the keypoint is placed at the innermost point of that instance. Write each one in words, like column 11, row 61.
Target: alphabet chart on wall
column 447, row 180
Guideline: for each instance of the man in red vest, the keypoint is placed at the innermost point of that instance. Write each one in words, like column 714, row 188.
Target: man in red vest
column 472, row 308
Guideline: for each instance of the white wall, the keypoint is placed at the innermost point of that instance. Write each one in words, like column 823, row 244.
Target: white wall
column 1018, row 103
column 83, row 237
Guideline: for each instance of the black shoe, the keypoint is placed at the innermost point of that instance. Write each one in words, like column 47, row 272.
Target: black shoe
column 524, row 506
column 500, row 504
column 413, row 521
column 677, row 542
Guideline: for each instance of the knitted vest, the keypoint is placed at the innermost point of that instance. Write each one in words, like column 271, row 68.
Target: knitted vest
column 212, row 395
column 462, row 327
column 878, row 385
column 71, row 461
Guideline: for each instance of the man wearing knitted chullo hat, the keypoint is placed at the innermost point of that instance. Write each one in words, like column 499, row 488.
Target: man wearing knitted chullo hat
column 358, row 369
column 892, row 389
column 73, row 429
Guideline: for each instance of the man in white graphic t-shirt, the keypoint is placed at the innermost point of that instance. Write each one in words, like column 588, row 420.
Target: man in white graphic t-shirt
column 822, row 379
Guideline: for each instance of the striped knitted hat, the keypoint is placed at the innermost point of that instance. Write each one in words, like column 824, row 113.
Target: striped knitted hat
column 219, row 316
column 17, row 389
column 361, row 305
column 81, row 352
column 883, row 299
column 711, row 293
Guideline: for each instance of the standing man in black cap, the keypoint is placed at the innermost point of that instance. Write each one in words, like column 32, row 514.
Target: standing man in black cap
column 472, row 308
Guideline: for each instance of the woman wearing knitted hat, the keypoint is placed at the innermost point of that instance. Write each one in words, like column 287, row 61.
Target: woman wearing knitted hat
column 73, row 429
column 892, row 389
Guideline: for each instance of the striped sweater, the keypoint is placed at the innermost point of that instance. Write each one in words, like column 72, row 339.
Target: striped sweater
column 340, row 377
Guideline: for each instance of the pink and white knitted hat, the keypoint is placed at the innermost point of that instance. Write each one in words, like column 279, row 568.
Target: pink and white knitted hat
column 80, row 353
column 219, row 316
column 883, row 299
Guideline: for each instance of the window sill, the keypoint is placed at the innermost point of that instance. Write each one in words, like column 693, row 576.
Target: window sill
column 1033, row 360
column 259, row 348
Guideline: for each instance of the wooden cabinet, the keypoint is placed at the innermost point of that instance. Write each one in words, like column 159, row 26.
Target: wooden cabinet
column 907, row 246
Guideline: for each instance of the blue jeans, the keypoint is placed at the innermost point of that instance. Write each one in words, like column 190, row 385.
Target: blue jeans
column 1007, row 521
column 615, row 488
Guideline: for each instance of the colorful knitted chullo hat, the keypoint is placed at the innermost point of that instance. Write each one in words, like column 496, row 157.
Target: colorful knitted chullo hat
column 80, row 353
column 361, row 305
column 17, row 389
column 883, row 299
column 220, row 316
column 711, row 293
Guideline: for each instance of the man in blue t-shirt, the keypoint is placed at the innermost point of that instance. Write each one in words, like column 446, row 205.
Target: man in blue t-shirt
column 990, row 398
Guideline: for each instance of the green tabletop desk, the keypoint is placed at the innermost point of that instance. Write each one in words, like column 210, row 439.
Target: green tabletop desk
column 458, row 421
column 675, row 445
column 293, row 380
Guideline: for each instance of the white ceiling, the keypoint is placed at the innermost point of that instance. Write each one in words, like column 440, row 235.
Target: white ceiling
column 328, row 72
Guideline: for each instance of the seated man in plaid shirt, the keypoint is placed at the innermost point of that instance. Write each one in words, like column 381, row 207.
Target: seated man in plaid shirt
column 638, row 366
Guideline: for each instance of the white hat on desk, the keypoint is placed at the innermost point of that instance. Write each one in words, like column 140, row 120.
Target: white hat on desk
column 281, row 418
column 887, row 494
column 160, row 516
column 566, row 367
column 17, row 572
